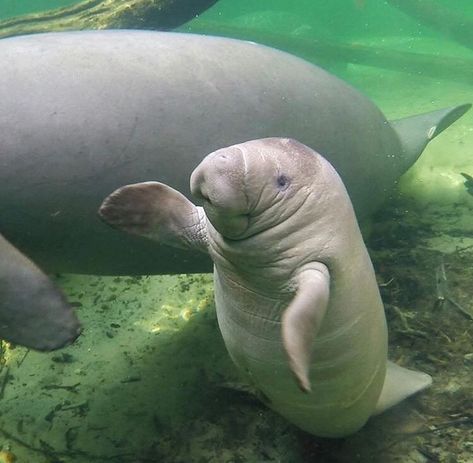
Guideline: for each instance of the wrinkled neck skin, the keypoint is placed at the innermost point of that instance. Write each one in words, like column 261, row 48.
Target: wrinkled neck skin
column 309, row 226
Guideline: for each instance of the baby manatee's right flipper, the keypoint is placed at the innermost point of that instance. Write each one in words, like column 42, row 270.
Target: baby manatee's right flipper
column 33, row 311
column 157, row 212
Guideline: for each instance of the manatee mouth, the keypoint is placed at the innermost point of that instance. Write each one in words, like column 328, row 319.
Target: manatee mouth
column 231, row 226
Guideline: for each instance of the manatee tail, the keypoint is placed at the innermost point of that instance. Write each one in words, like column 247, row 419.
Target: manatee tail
column 416, row 131
column 399, row 384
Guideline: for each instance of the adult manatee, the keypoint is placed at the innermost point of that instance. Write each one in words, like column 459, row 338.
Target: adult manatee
column 85, row 112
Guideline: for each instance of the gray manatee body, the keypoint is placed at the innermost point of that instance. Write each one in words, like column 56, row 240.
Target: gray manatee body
column 295, row 292
column 85, row 112
column 33, row 311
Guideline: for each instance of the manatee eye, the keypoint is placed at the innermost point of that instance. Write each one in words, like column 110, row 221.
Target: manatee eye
column 282, row 182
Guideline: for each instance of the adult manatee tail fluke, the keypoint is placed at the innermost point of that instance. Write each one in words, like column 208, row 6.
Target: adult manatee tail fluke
column 415, row 132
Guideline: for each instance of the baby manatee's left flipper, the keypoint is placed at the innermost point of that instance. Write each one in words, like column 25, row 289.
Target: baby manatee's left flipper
column 33, row 311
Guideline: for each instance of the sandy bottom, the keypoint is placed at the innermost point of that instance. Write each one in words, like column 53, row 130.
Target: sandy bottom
column 150, row 380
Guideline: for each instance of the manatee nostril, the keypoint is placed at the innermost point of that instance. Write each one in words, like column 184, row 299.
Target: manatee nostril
column 197, row 184
column 200, row 193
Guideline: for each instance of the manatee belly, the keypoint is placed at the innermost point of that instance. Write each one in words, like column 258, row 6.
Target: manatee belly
column 346, row 377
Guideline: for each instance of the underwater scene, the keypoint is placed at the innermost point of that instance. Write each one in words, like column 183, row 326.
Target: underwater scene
column 339, row 230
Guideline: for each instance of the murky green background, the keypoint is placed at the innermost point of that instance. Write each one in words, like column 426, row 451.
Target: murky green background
column 344, row 18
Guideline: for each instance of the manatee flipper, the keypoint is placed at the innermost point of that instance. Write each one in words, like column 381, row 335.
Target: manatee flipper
column 416, row 131
column 399, row 384
column 158, row 212
column 302, row 319
column 33, row 311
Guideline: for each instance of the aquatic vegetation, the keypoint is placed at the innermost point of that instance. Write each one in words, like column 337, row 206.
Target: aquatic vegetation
column 107, row 14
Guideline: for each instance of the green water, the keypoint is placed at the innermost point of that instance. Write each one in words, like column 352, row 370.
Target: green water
column 12, row 8
column 150, row 379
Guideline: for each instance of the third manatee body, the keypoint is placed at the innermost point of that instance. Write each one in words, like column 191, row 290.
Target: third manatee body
column 33, row 310
column 86, row 112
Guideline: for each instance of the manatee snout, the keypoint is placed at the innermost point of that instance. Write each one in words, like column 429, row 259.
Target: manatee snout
column 218, row 181
column 218, row 177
